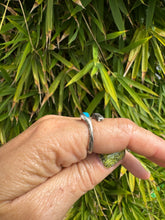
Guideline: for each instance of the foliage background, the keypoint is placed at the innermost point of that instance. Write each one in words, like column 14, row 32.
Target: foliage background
column 65, row 57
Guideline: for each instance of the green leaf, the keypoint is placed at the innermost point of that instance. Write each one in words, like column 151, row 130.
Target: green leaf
column 19, row 27
column 95, row 102
column 137, row 85
column 134, row 95
column 158, row 54
column 136, row 66
column 23, row 121
column 61, row 95
column 22, row 81
column 53, row 86
column 4, row 103
column 35, row 74
column 4, row 116
column 145, row 52
column 22, row 60
column 80, row 8
column 136, row 44
column 49, row 19
column 75, row 98
column 142, row 190
column 109, row 87
column 124, row 99
column 150, row 13
column 6, row 90
column 5, row 75
column 117, row 15
column 64, row 61
column 131, row 182
column 82, row 73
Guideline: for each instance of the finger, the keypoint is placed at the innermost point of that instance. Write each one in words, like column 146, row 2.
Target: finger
column 53, row 198
column 58, row 142
column 114, row 135
column 134, row 166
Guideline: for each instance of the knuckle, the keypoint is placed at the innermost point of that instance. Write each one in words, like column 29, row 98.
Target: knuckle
column 46, row 125
column 126, row 125
column 46, row 117
column 87, row 177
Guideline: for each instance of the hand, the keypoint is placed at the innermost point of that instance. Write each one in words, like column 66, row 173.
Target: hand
column 44, row 170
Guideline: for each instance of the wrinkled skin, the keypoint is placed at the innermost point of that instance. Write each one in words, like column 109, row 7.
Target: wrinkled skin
column 45, row 169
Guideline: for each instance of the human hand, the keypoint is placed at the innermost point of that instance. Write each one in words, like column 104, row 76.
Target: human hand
column 44, row 170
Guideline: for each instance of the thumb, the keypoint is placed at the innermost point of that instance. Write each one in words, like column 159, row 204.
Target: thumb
column 52, row 199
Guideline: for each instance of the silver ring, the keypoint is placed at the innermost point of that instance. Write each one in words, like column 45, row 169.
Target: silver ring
column 107, row 159
column 86, row 117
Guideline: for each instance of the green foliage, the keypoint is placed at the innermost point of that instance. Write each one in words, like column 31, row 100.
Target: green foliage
column 64, row 57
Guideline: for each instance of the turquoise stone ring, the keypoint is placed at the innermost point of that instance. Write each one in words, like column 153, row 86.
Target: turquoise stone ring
column 108, row 160
column 86, row 117
column 86, row 114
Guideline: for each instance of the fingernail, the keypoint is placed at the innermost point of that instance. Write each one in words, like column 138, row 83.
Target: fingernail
column 109, row 160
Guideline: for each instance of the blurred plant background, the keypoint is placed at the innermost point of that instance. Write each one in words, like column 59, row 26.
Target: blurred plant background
column 68, row 56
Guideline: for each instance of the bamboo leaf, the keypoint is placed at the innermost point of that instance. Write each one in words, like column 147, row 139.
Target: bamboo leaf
column 158, row 54
column 144, row 60
column 159, row 31
column 23, row 58
column 21, row 81
column 94, row 71
column 150, row 13
column 142, row 190
column 95, row 53
column 117, row 15
column 35, row 74
column 80, row 8
column 82, row 73
column 19, row 27
column 95, row 102
column 4, row 103
column 79, row 82
column 61, row 95
column 135, row 46
column 4, row 116
column 23, row 121
column 6, row 90
column 36, row 104
column 49, row 20
column 109, row 87
column 75, row 98
column 54, row 86
column 160, row 38
column 158, row 198
column 137, row 85
column 5, row 75
column 131, row 182
column 124, row 99
column 134, row 95
column 64, row 61
column 78, row 2
column 136, row 66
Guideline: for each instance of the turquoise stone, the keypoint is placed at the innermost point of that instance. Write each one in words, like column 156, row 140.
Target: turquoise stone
column 86, row 114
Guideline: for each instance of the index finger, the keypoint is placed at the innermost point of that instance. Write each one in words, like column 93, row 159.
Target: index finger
column 114, row 135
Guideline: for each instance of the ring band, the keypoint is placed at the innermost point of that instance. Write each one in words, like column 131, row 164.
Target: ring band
column 86, row 117
column 108, row 160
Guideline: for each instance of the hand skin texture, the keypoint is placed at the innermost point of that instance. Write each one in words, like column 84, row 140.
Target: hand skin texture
column 45, row 169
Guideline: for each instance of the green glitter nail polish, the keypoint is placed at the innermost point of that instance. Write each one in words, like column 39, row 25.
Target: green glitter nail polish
column 109, row 160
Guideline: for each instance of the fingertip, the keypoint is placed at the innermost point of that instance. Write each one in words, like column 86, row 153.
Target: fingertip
column 133, row 165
